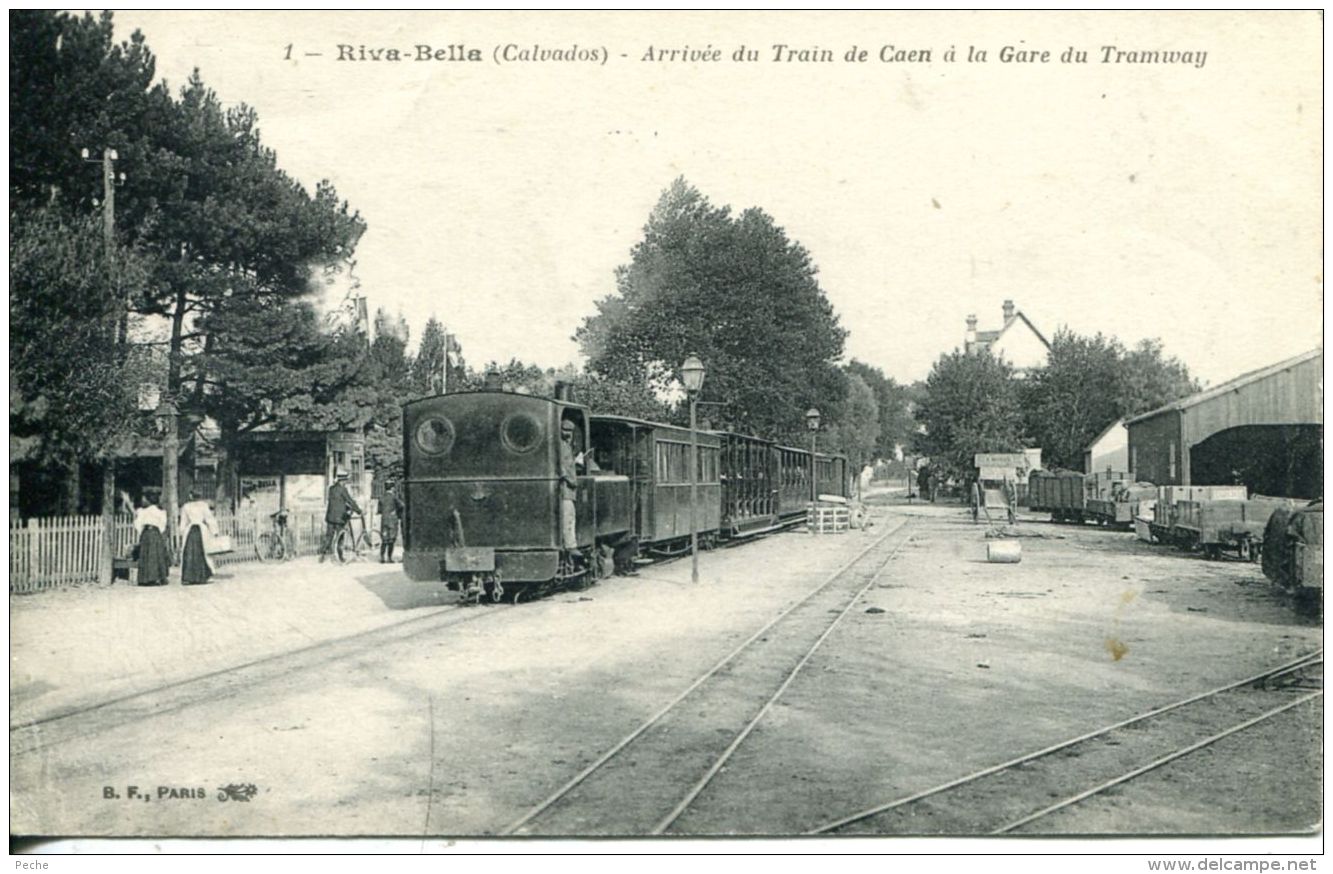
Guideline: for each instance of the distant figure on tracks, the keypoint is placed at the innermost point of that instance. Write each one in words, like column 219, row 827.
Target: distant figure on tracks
column 341, row 507
column 1010, row 492
column 978, row 499
column 197, row 527
column 391, row 510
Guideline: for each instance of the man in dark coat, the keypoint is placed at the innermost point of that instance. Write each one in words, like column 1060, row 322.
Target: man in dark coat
column 342, row 506
column 391, row 510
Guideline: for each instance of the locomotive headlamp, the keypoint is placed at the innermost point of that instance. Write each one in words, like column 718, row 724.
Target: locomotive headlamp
column 812, row 419
column 692, row 374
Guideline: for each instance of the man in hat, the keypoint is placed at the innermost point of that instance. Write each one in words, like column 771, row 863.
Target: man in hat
column 391, row 510
column 568, row 486
column 342, row 506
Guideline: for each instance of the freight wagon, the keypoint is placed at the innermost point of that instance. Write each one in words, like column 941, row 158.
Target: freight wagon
column 1293, row 555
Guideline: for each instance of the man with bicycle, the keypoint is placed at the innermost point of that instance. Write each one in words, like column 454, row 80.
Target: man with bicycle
column 342, row 506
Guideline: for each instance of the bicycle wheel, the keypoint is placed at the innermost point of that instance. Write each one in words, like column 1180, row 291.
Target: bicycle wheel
column 343, row 548
column 264, row 547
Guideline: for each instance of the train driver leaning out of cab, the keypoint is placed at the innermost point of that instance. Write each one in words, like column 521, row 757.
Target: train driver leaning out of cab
column 568, row 486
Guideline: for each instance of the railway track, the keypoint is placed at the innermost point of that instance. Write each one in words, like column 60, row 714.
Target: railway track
column 1012, row 796
column 645, row 783
column 81, row 721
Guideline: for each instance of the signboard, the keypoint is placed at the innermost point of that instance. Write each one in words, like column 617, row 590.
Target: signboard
column 1010, row 460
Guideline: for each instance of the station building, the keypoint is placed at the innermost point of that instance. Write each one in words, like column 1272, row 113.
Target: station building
column 1263, row 429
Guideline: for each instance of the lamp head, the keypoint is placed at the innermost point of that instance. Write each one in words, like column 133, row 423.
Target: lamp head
column 692, row 374
column 812, row 419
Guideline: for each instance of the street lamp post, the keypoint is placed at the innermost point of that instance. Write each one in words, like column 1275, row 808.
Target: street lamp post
column 812, row 422
column 692, row 374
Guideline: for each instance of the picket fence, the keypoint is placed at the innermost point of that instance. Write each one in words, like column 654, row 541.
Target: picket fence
column 56, row 551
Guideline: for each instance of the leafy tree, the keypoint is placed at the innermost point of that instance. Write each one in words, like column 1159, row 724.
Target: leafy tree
column 1149, row 379
column 73, row 392
column 971, row 405
column 857, row 433
column 72, row 87
column 220, row 231
column 894, row 403
column 736, row 292
column 1072, row 399
column 1090, row 382
column 425, row 374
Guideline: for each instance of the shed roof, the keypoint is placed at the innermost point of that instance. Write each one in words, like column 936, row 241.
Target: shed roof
column 1118, row 423
column 1230, row 385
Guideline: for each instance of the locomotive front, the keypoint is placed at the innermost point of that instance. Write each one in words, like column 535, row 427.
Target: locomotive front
column 481, row 490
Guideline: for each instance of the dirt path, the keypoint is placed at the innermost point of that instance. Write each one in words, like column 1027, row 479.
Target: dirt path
column 960, row 665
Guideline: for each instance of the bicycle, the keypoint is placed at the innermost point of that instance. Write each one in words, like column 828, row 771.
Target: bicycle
column 350, row 546
column 276, row 544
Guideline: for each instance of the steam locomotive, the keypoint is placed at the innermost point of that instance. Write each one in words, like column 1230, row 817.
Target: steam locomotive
column 482, row 489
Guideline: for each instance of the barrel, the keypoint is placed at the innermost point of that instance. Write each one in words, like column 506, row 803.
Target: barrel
column 1004, row 552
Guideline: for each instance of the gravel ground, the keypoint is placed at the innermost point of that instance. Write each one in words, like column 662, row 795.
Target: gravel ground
column 460, row 732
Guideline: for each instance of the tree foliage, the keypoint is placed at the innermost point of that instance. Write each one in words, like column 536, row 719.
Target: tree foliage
column 73, row 392
column 229, row 246
column 894, row 405
column 735, row 291
column 1150, row 379
column 425, row 373
column 857, row 433
column 971, row 405
column 1090, row 382
column 1072, row 399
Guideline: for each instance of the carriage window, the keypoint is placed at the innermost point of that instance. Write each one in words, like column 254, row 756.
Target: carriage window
column 521, row 432
column 708, row 464
column 673, row 463
column 435, row 436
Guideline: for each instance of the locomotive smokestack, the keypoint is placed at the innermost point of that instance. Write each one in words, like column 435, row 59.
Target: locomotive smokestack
column 492, row 381
column 563, row 391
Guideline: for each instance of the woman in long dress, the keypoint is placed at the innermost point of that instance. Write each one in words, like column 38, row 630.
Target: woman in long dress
column 150, row 521
column 197, row 527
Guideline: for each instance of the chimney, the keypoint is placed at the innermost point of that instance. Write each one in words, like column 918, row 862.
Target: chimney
column 971, row 332
column 492, row 381
column 1008, row 311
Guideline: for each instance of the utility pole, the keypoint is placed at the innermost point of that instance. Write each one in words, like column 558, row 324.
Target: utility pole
column 121, row 336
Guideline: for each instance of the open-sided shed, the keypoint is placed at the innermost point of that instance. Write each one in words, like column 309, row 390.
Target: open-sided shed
column 1263, row 429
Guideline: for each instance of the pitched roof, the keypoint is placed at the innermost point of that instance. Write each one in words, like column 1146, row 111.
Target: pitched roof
column 1019, row 315
column 989, row 337
column 1118, row 423
column 1230, row 385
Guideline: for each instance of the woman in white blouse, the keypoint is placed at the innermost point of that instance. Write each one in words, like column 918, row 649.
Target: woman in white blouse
column 197, row 528
column 150, row 521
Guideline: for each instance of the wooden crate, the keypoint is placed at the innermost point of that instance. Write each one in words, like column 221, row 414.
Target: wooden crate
column 828, row 519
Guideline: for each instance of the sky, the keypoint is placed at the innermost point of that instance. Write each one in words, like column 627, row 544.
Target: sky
column 1139, row 200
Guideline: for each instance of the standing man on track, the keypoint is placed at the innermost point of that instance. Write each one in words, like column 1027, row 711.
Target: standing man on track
column 342, row 506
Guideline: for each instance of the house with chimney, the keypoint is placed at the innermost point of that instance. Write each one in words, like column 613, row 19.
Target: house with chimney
column 1017, row 342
